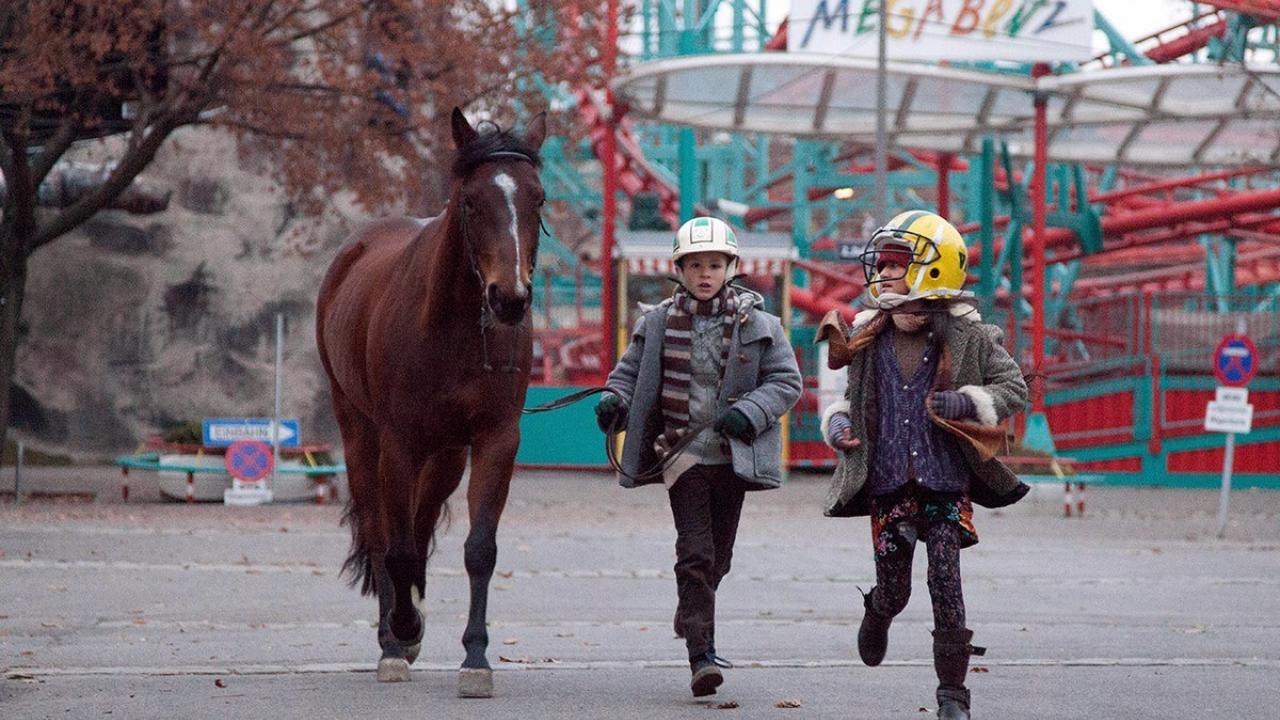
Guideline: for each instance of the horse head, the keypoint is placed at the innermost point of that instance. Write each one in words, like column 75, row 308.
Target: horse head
column 498, row 198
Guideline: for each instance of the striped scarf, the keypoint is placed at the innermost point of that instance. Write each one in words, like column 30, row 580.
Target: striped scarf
column 677, row 349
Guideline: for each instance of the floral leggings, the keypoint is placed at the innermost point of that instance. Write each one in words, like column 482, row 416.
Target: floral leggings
column 945, row 524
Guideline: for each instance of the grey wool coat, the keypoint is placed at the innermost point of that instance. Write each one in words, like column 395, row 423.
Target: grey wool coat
column 973, row 362
column 761, row 379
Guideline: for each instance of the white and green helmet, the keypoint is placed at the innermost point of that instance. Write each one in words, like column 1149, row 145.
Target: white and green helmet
column 704, row 234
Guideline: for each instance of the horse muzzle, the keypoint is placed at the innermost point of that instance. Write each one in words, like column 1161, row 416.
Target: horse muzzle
column 508, row 306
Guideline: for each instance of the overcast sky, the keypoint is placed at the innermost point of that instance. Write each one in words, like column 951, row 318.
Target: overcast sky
column 1136, row 18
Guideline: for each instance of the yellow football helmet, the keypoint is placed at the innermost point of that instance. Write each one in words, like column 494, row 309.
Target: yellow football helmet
column 930, row 248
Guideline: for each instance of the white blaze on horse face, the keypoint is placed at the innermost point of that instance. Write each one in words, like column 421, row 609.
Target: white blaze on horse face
column 508, row 187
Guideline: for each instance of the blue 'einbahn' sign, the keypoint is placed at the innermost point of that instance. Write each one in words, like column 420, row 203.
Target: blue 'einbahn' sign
column 221, row 432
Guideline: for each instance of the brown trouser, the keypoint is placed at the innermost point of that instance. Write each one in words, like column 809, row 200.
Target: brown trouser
column 706, row 502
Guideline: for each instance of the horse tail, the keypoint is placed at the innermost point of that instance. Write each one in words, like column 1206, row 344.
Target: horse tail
column 441, row 524
column 358, row 567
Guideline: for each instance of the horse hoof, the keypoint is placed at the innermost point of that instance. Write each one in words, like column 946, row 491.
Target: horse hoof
column 475, row 683
column 411, row 652
column 393, row 670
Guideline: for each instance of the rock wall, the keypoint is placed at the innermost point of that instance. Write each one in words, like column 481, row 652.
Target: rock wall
column 135, row 323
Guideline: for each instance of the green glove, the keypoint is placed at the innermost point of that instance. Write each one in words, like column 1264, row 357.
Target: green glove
column 610, row 414
column 735, row 425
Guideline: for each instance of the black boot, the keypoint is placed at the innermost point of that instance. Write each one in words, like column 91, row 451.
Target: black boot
column 706, row 673
column 951, row 651
column 873, row 634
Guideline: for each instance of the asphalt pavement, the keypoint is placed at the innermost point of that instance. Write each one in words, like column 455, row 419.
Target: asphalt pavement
column 156, row 609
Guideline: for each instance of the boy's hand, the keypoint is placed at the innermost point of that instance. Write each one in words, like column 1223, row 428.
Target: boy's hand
column 735, row 425
column 840, row 433
column 610, row 413
column 952, row 405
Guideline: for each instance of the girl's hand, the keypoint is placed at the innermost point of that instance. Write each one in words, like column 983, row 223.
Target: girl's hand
column 840, row 432
column 846, row 441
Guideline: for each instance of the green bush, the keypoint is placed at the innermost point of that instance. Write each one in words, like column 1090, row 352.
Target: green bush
column 190, row 432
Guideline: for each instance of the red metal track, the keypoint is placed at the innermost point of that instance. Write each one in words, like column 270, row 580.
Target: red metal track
column 635, row 173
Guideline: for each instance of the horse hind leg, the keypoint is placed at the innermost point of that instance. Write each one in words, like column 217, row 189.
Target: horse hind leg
column 492, row 458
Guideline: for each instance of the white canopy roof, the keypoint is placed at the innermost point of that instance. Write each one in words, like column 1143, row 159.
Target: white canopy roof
column 1145, row 115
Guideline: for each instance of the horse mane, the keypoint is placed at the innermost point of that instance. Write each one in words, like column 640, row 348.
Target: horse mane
column 492, row 139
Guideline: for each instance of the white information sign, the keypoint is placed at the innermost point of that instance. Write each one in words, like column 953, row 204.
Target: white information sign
column 1019, row 30
column 1228, row 417
column 1231, row 395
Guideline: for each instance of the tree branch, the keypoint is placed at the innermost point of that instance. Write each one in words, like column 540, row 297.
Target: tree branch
column 20, row 193
column 142, row 152
column 58, row 144
column 302, row 34
column 256, row 129
column 6, row 158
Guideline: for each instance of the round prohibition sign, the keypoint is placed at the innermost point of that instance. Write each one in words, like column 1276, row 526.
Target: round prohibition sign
column 248, row 460
column 1235, row 362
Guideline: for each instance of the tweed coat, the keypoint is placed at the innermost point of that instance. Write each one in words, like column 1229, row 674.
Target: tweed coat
column 761, row 379
column 973, row 362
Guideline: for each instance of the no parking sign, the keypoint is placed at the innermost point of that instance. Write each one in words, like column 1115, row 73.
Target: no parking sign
column 1235, row 362
column 248, row 462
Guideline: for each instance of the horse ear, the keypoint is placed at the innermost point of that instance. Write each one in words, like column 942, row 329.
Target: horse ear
column 463, row 133
column 537, row 131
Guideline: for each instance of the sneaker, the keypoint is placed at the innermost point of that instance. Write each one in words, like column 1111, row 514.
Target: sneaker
column 706, row 673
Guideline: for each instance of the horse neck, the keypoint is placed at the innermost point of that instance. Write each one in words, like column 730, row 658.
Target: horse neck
column 453, row 292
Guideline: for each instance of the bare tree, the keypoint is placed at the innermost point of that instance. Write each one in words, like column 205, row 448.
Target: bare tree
column 331, row 95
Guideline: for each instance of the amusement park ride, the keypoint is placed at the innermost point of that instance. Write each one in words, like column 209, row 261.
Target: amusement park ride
column 1157, row 201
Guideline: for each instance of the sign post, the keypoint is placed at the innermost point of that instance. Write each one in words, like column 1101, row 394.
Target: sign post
column 1235, row 362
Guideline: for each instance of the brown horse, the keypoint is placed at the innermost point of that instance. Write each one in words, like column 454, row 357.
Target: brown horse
column 424, row 330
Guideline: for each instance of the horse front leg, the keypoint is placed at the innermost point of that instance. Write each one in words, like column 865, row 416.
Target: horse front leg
column 400, row 625
column 492, row 459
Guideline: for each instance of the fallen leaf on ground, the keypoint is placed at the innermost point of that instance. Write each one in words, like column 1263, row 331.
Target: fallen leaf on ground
column 505, row 573
column 510, row 641
column 501, row 587
column 979, row 669
column 218, row 683
column 730, row 705
column 527, row 660
column 787, row 703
